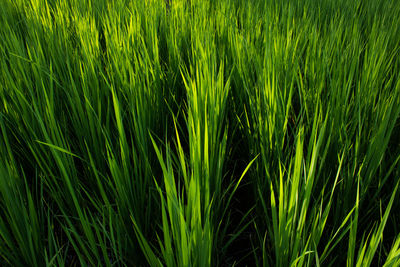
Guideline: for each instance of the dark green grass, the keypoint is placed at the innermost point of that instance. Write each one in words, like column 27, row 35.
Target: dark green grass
column 205, row 133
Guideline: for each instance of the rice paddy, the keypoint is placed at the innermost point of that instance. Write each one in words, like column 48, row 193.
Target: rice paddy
column 199, row 133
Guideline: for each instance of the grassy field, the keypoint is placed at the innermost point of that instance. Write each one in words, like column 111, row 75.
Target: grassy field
column 205, row 133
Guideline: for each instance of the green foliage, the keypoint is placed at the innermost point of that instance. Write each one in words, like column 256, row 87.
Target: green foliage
column 199, row 133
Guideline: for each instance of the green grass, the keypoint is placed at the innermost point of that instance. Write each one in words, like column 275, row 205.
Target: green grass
column 202, row 133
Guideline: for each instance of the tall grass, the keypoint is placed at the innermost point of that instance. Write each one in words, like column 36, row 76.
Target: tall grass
column 199, row 133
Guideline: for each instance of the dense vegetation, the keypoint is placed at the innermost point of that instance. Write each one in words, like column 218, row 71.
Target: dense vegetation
column 199, row 133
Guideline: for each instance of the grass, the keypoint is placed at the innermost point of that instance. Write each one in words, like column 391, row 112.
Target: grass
column 199, row 133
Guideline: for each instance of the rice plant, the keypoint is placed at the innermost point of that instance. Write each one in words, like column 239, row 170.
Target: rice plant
column 199, row 133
